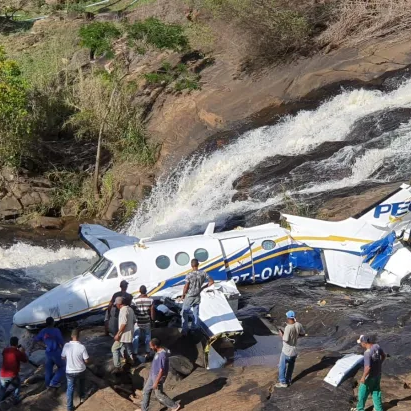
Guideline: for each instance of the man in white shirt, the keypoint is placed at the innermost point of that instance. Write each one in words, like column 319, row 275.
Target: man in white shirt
column 123, row 340
column 76, row 357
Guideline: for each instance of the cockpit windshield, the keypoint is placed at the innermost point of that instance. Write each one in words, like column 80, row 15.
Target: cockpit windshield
column 100, row 268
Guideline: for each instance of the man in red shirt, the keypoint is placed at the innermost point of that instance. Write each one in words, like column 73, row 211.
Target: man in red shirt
column 9, row 374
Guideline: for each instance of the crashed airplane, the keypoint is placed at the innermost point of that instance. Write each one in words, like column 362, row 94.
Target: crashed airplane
column 352, row 253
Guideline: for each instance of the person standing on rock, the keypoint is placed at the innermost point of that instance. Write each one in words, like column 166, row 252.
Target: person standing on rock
column 191, row 295
column 292, row 332
column 123, row 340
column 9, row 374
column 157, row 377
column 76, row 357
column 54, row 342
column 123, row 293
column 144, row 311
column 370, row 381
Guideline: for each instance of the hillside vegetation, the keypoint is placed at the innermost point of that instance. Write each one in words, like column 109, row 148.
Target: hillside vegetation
column 76, row 89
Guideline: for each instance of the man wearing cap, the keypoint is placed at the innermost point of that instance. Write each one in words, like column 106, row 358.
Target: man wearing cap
column 128, row 298
column 292, row 331
column 374, row 356
column 123, row 340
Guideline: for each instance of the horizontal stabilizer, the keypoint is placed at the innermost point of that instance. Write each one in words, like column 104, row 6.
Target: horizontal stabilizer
column 343, row 368
column 101, row 239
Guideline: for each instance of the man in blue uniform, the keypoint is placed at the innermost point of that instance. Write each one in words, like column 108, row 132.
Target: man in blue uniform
column 53, row 340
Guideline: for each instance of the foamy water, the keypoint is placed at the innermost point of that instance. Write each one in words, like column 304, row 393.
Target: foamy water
column 44, row 264
column 203, row 188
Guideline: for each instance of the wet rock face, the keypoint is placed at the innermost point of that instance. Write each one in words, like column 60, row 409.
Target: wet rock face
column 19, row 193
column 334, row 319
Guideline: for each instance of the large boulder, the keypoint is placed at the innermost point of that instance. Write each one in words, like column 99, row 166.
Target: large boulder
column 38, row 357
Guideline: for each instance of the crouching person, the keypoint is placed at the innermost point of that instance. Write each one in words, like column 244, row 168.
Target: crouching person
column 77, row 357
column 158, row 375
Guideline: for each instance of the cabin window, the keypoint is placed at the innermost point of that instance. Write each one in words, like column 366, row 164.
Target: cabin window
column 113, row 274
column 127, row 269
column 182, row 258
column 201, row 254
column 162, row 262
column 100, row 268
column 268, row 244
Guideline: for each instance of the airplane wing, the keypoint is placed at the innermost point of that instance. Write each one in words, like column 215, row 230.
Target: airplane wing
column 101, row 239
column 347, row 270
column 216, row 314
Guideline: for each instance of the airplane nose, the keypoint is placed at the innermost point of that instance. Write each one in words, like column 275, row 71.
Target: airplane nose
column 20, row 318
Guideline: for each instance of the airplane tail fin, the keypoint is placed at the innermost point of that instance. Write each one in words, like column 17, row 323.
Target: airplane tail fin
column 393, row 211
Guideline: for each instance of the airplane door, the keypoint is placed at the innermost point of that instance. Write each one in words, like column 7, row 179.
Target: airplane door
column 238, row 259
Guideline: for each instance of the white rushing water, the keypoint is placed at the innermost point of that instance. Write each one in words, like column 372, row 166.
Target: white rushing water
column 203, row 188
column 44, row 264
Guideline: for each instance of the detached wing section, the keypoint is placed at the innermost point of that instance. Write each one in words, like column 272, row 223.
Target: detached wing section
column 347, row 270
column 101, row 239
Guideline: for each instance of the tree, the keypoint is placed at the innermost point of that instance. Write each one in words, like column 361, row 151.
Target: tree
column 9, row 8
column 15, row 119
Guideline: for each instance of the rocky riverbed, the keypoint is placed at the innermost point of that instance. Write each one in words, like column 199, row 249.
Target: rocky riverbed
column 334, row 318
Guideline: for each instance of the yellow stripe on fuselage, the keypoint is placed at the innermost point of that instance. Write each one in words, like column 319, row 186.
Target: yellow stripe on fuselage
column 332, row 238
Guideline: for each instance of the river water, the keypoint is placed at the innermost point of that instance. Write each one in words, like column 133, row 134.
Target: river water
column 368, row 133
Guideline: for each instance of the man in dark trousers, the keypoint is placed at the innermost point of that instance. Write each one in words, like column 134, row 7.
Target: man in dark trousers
column 76, row 357
column 54, row 342
column 157, row 377
column 9, row 374
column 370, row 381
column 292, row 332
column 127, row 301
column 144, row 311
column 191, row 295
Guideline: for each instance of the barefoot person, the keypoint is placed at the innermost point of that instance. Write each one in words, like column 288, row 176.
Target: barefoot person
column 374, row 356
column 292, row 332
column 191, row 295
column 157, row 377
column 76, row 357
column 9, row 375
column 53, row 340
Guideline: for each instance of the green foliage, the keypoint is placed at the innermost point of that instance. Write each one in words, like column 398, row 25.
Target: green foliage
column 273, row 28
column 68, row 186
column 78, row 7
column 40, row 64
column 158, row 34
column 15, row 119
column 185, row 79
column 124, row 133
column 201, row 36
column 188, row 83
column 98, row 36
column 134, row 147
column 129, row 208
column 158, row 78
